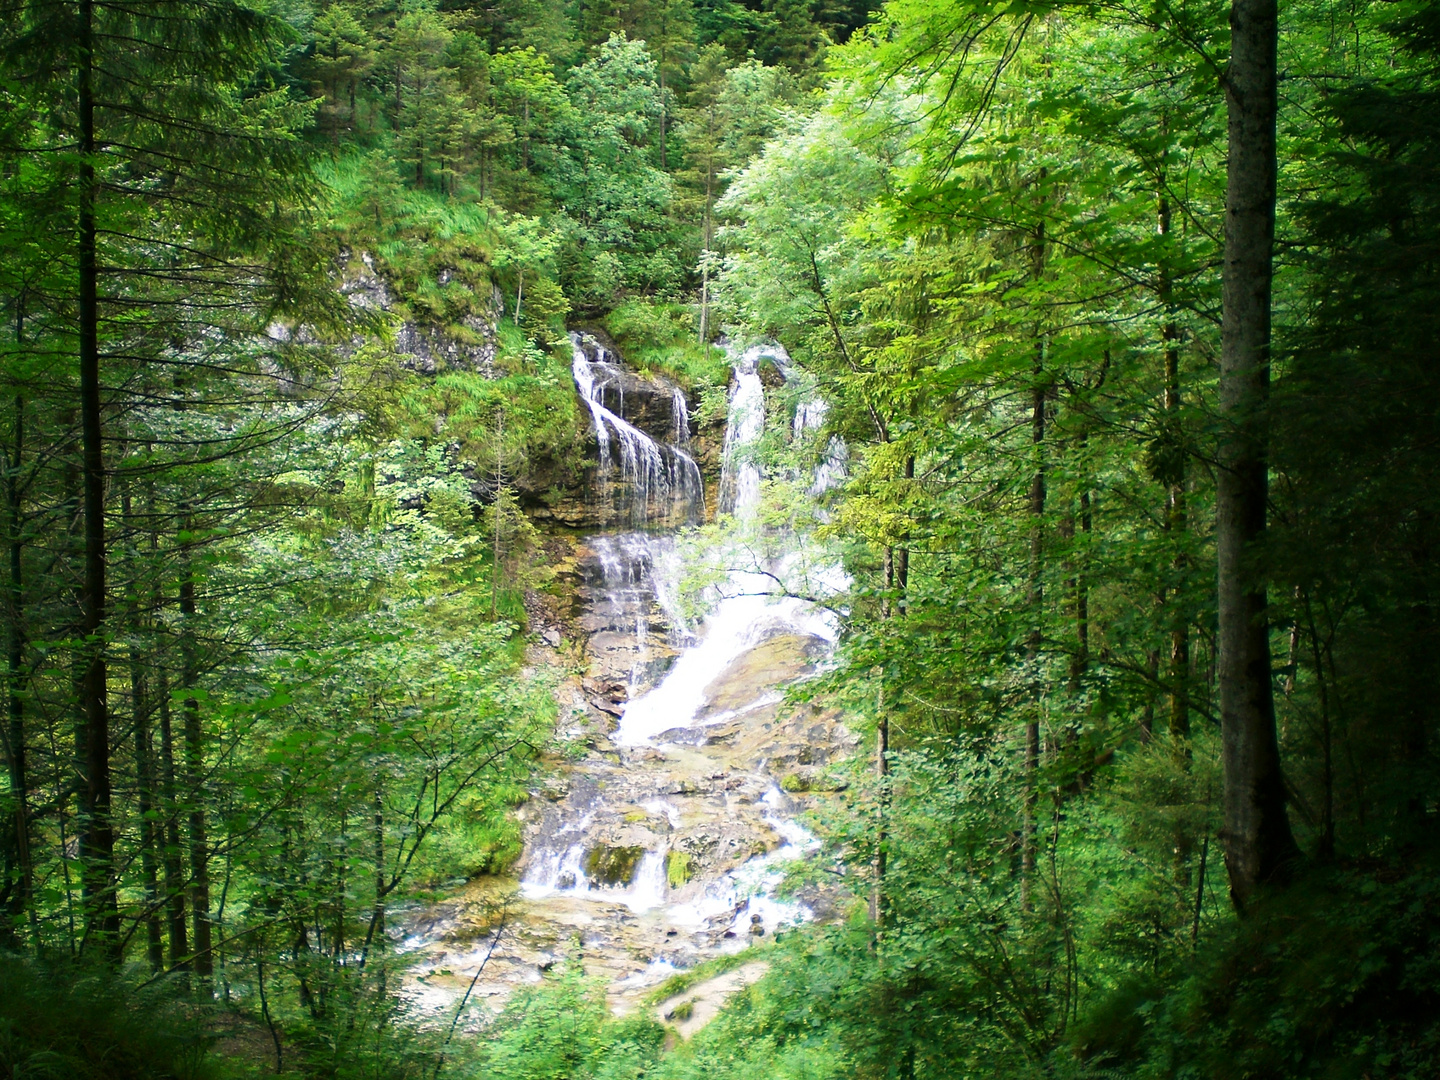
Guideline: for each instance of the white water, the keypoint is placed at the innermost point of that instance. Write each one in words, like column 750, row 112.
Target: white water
column 638, row 569
column 751, row 605
column 740, row 472
column 749, row 890
column 663, row 480
column 738, row 623
column 563, row 871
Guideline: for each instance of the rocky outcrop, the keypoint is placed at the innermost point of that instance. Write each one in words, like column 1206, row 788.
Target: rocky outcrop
column 471, row 345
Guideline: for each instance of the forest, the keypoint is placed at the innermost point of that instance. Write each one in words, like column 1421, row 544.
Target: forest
column 726, row 539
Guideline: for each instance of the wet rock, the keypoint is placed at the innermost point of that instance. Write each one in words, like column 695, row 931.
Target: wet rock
column 688, row 787
column 607, row 706
column 780, row 659
column 613, row 865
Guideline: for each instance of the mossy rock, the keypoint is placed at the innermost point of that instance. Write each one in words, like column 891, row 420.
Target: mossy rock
column 795, row 783
column 679, row 868
column 613, row 865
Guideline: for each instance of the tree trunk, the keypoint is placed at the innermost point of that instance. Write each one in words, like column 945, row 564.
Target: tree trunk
column 664, row 114
column 97, row 842
column 1039, row 392
column 15, row 633
column 882, row 770
column 195, row 772
column 144, row 755
column 1176, row 521
column 145, row 786
column 174, row 869
column 705, row 258
column 1258, row 841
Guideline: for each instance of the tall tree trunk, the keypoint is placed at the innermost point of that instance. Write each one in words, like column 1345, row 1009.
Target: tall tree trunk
column 705, row 257
column 1176, row 522
column 664, row 113
column 896, row 601
column 174, row 869
column 194, row 769
column 144, row 743
column 169, row 832
column 145, row 786
column 97, row 842
column 14, row 680
column 882, row 771
column 1258, row 841
column 1039, row 393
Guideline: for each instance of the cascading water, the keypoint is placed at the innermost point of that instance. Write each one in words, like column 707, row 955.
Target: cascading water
column 667, row 839
column 658, row 481
column 740, row 475
column 748, row 610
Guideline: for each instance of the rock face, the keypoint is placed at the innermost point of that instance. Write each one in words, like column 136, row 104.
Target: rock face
column 644, row 474
column 471, row 346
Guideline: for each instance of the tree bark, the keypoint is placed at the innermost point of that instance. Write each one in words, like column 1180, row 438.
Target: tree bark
column 1176, row 521
column 19, row 770
column 1036, row 599
column 97, row 842
column 1257, row 836
column 144, row 752
column 174, row 871
column 1039, row 394
column 145, row 784
column 195, row 771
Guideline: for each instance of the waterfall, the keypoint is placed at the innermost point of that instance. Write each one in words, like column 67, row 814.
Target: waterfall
column 651, row 790
column 657, row 481
column 740, row 473
column 748, row 611
column 638, row 581
column 834, row 466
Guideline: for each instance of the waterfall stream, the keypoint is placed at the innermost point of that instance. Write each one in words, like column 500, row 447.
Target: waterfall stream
column 657, row 480
column 669, row 840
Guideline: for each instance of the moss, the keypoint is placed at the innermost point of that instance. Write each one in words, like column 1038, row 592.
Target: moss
column 706, row 969
column 679, row 868
column 613, row 865
column 794, row 782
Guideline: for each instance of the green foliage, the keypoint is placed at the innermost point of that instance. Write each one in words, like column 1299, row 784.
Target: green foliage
column 563, row 1031
column 63, row 1021
column 659, row 338
column 1335, row 977
column 693, row 976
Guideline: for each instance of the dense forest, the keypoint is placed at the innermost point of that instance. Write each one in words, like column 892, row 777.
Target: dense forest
column 1119, row 328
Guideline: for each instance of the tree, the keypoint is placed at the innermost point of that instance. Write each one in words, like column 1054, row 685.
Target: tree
column 1258, row 841
column 122, row 97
